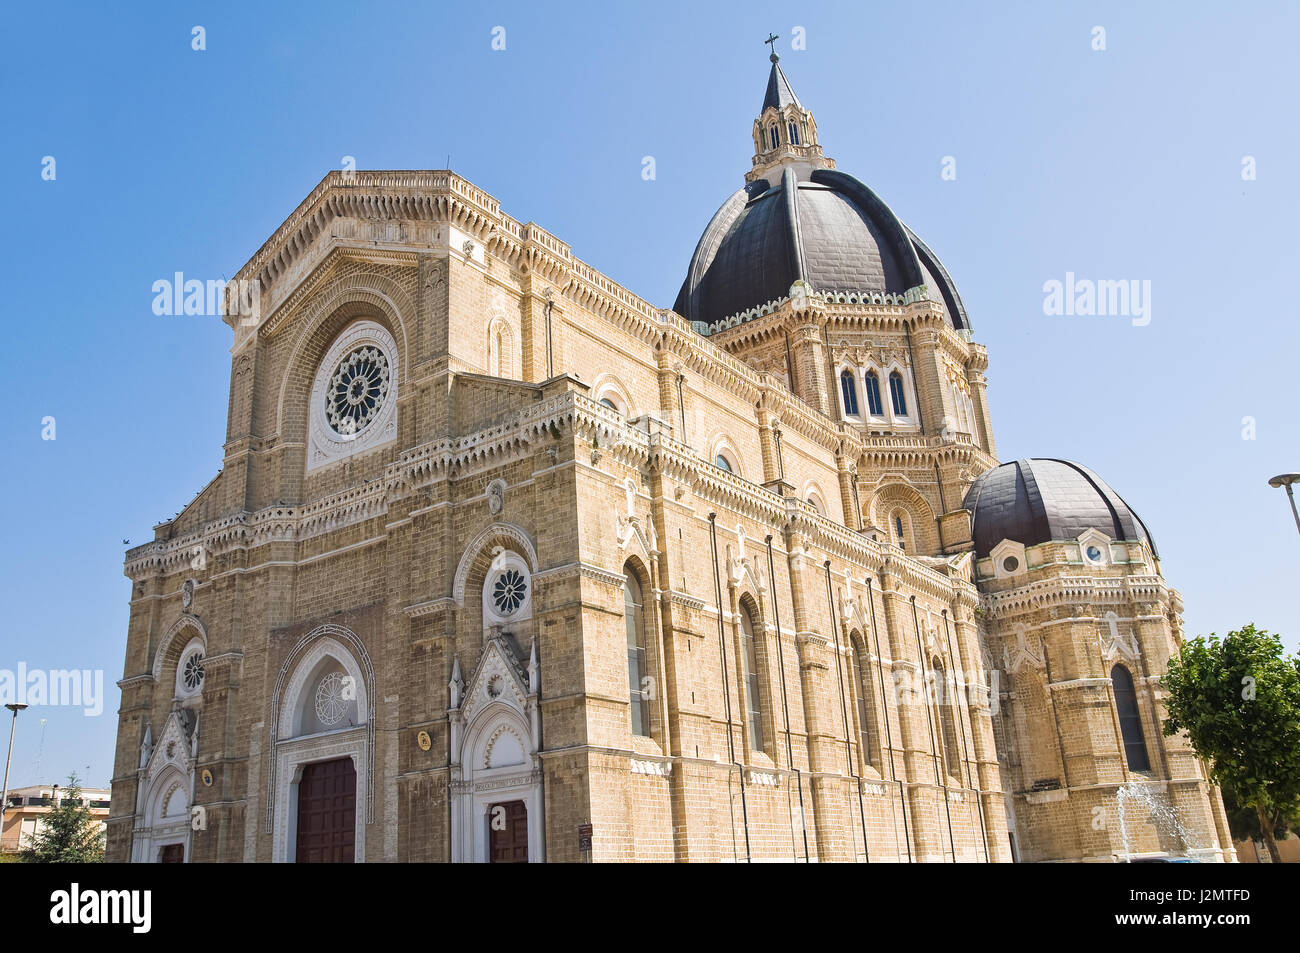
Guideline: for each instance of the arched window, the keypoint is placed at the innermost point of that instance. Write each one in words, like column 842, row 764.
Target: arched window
column 753, row 685
column 900, row 538
column 606, row 402
column 946, row 699
column 794, row 134
column 849, row 389
column 638, row 694
column 723, row 463
column 773, row 137
column 500, row 347
column 870, row 735
column 874, row 405
column 1130, row 723
column 896, row 394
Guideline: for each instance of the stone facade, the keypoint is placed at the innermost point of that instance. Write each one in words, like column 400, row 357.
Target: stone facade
column 445, row 602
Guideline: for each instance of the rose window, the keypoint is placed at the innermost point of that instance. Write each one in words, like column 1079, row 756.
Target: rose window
column 192, row 672
column 357, row 390
column 331, row 705
column 508, row 591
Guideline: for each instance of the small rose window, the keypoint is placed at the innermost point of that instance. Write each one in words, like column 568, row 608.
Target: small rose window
column 194, row 671
column 331, row 699
column 357, row 390
column 508, row 591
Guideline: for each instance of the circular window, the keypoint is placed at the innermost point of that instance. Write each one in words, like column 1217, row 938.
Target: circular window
column 1094, row 554
column 192, row 672
column 354, row 395
column 1011, row 564
column 331, row 705
column 508, row 591
column 357, row 390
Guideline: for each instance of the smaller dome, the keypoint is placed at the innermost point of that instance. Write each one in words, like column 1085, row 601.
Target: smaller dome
column 1036, row 501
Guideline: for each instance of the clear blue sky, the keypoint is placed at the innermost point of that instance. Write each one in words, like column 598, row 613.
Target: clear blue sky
column 1117, row 164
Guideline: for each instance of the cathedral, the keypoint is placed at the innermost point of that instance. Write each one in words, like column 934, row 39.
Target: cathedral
column 506, row 564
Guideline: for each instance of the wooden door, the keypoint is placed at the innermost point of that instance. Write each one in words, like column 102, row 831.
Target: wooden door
column 508, row 833
column 327, row 812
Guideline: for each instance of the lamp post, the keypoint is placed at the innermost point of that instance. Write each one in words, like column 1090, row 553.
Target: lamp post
column 4, row 795
column 1287, row 480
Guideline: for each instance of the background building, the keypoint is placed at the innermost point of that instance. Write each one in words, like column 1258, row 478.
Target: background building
column 27, row 806
column 501, row 552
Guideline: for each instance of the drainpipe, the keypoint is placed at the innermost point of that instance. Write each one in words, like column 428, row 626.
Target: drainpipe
column 1056, row 721
column 726, row 684
column 550, row 357
column 911, row 353
column 789, row 364
column 785, row 704
column 681, row 406
column 940, row 774
column 943, row 508
column 844, row 709
column 979, row 799
column 541, row 771
column 884, row 706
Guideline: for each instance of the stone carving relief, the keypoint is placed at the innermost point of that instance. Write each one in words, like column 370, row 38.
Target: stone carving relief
column 496, row 497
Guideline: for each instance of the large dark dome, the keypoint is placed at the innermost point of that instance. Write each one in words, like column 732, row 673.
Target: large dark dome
column 828, row 229
column 1034, row 501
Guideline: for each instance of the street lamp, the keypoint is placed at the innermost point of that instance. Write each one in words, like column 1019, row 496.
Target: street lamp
column 4, row 796
column 1286, row 480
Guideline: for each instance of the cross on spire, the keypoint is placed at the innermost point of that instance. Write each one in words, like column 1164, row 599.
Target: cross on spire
column 771, row 42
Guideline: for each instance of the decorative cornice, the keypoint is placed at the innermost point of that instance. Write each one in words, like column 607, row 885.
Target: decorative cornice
column 583, row 570
column 1072, row 590
column 433, row 607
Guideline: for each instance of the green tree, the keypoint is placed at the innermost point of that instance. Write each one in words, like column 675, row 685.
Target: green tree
column 69, row 834
column 1238, row 699
column 1244, row 821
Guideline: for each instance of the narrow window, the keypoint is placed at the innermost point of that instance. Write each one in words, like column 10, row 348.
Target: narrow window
column 753, row 685
column 794, row 134
column 896, row 394
column 898, row 531
column 874, row 406
column 1130, row 723
column 773, row 137
column 849, row 388
column 723, row 463
column 946, row 700
column 634, row 615
column 869, row 735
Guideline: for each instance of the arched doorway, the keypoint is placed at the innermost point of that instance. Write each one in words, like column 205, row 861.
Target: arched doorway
column 327, row 812
column 320, row 799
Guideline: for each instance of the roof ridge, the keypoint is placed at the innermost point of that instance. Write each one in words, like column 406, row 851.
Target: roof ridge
column 779, row 91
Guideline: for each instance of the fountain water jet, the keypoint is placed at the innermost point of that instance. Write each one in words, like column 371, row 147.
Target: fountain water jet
column 1151, row 797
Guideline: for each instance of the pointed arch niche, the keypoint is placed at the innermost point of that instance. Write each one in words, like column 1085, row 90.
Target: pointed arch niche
column 322, row 710
column 495, row 729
